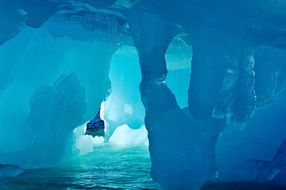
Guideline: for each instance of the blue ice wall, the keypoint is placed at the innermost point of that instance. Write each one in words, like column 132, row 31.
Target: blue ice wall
column 210, row 75
column 50, row 86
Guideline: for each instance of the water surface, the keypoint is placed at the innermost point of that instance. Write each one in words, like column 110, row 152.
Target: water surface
column 106, row 167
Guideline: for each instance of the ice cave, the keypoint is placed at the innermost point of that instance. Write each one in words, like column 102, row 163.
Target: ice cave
column 142, row 94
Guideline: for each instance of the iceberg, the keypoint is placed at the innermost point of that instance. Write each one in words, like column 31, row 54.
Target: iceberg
column 201, row 83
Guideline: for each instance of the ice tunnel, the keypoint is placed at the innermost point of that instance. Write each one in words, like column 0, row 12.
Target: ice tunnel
column 142, row 94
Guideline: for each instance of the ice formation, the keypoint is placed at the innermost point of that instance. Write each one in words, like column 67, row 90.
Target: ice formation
column 10, row 171
column 211, row 84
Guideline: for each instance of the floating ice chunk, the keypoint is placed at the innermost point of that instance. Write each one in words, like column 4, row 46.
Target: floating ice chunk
column 86, row 143
column 125, row 136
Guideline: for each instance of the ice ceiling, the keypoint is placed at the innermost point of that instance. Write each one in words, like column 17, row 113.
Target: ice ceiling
column 211, row 82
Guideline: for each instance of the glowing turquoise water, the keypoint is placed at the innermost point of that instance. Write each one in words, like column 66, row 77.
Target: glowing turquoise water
column 105, row 168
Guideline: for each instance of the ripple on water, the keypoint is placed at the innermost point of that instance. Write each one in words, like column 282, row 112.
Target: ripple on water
column 106, row 167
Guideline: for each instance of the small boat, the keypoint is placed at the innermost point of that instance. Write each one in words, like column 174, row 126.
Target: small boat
column 95, row 127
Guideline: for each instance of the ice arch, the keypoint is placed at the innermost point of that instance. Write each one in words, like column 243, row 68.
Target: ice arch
column 47, row 75
column 172, row 131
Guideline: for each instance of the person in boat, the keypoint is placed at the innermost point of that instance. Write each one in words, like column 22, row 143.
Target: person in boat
column 95, row 127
